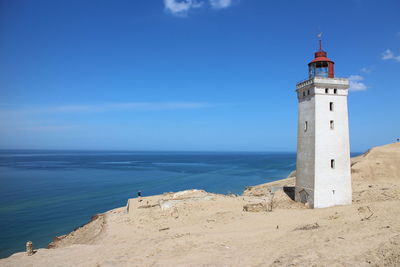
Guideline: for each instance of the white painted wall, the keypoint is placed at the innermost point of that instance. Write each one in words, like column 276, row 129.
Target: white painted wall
column 315, row 148
column 305, row 148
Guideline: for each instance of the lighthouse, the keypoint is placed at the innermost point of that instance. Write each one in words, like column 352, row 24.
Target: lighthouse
column 323, row 175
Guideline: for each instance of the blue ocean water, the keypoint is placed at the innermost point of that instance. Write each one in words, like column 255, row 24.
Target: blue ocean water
column 44, row 194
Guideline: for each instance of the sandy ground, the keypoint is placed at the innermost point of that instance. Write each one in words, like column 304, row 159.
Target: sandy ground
column 263, row 227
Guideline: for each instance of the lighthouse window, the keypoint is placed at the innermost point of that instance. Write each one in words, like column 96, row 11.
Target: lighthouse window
column 321, row 69
column 331, row 106
column 305, row 126
column 326, row 90
column 335, row 91
column 332, row 163
column 332, row 125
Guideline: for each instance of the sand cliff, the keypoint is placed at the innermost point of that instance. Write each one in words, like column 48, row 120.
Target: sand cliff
column 263, row 227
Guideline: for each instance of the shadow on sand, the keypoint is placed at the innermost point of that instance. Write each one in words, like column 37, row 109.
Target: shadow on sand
column 289, row 190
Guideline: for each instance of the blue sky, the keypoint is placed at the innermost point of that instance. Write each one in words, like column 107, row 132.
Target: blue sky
column 189, row 75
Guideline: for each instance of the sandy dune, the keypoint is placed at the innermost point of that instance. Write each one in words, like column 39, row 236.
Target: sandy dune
column 263, row 227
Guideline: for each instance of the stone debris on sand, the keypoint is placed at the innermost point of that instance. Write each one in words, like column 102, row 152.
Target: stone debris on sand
column 257, row 207
column 307, row 227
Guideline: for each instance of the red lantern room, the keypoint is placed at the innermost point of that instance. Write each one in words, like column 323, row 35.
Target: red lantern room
column 321, row 66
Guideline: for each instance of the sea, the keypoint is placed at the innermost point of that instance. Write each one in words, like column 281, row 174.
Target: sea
column 44, row 194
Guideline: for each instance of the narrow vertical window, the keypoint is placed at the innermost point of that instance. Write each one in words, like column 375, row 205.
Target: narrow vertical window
column 331, row 106
column 332, row 125
column 308, row 92
column 305, row 126
column 335, row 91
column 326, row 90
column 304, row 93
column 332, row 163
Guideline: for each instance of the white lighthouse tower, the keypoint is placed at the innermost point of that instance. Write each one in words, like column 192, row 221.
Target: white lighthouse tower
column 323, row 176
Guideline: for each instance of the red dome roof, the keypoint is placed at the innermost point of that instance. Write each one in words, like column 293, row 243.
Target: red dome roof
column 321, row 56
column 317, row 59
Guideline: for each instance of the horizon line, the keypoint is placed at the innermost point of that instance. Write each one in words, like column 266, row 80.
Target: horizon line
column 151, row 150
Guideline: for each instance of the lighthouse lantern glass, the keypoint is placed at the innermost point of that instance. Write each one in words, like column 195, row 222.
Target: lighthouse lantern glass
column 318, row 69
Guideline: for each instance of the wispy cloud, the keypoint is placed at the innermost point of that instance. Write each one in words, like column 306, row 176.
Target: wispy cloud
column 367, row 69
column 220, row 4
column 181, row 8
column 115, row 107
column 46, row 128
column 356, row 83
column 389, row 55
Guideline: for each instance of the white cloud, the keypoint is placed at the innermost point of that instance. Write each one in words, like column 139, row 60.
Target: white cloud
column 356, row 78
column 356, row 84
column 368, row 69
column 220, row 4
column 181, row 7
column 388, row 55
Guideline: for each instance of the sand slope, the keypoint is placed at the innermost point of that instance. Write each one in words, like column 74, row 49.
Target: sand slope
column 196, row 228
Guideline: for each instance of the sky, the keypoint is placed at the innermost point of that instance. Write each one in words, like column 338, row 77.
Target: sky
column 209, row 75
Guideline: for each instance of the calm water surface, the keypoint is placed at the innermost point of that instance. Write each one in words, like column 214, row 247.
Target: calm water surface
column 45, row 194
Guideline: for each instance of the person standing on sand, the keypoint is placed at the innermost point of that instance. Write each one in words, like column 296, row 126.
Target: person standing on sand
column 139, row 194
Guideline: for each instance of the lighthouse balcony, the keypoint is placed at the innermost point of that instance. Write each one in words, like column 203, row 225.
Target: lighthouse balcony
column 342, row 83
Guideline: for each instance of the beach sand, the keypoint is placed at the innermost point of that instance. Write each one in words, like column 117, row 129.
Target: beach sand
column 260, row 228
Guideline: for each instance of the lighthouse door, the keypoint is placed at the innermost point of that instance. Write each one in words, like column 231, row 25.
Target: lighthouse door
column 303, row 196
